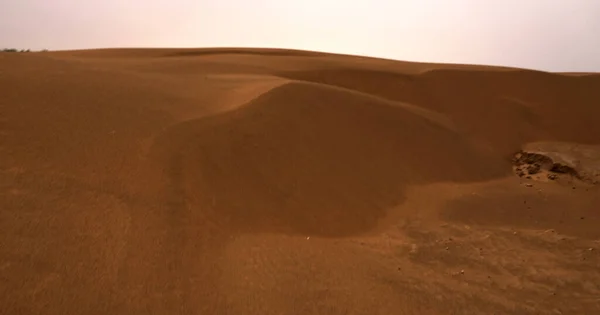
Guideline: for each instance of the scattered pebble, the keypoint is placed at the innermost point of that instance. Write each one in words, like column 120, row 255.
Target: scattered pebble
column 462, row 272
column 528, row 185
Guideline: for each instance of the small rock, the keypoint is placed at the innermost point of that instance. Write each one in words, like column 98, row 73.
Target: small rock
column 447, row 248
column 552, row 176
column 533, row 169
column 563, row 169
column 590, row 249
column 528, row 185
column 462, row 272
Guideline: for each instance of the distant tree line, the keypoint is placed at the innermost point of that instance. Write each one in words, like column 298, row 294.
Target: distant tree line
column 16, row 50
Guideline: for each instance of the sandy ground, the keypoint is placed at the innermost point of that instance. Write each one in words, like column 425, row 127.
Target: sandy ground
column 248, row 181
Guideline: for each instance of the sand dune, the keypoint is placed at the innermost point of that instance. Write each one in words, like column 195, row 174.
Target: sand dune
column 259, row 181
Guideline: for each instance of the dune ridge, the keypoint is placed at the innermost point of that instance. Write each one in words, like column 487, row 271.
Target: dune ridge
column 352, row 142
column 262, row 181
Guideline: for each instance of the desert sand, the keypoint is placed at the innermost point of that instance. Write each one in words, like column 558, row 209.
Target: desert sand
column 263, row 181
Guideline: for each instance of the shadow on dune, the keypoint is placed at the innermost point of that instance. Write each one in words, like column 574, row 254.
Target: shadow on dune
column 387, row 84
column 499, row 110
column 309, row 159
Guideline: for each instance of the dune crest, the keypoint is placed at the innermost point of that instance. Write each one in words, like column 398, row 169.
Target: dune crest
column 315, row 159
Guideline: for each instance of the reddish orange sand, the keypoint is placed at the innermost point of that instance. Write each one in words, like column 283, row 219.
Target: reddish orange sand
column 249, row 181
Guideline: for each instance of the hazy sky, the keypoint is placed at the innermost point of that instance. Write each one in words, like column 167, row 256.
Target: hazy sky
column 554, row 35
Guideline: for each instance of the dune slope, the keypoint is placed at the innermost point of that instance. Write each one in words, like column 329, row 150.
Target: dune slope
column 255, row 181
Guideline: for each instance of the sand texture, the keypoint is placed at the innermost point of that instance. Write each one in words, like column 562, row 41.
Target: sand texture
column 261, row 181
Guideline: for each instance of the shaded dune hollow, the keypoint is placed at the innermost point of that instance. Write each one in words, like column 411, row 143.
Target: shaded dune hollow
column 311, row 159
